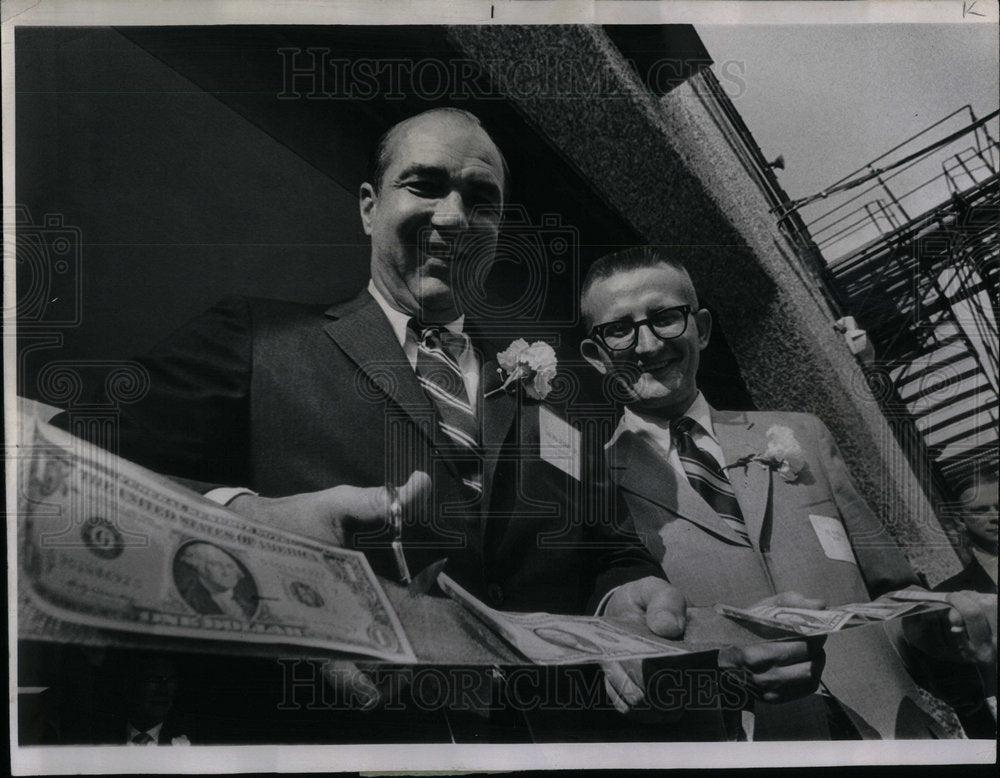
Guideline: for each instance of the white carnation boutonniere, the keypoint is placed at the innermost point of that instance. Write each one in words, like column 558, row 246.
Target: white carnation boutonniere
column 532, row 366
column 180, row 740
column 783, row 454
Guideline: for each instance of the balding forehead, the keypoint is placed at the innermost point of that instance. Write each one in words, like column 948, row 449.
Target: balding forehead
column 424, row 129
column 430, row 117
column 429, row 125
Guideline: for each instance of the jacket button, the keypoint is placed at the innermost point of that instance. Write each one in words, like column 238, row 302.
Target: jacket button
column 495, row 593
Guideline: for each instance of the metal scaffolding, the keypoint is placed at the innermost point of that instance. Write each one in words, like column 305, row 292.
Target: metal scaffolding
column 914, row 257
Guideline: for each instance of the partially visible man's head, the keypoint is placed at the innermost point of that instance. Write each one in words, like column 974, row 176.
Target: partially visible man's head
column 432, row 208
column 217, row 571
column 979, row 501
column 151, row 685
column 654, row 373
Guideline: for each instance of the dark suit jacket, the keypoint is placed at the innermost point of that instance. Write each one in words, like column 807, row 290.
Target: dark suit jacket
column 103, row 728
column 285, row 398
column 972, row 578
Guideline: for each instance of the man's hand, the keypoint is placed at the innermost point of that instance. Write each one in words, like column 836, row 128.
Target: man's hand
column 652, row 603
column 363, row 687
column 350, row 686
column 973, row 619
column 967, row 632
column 326, row 515
column 780, row 671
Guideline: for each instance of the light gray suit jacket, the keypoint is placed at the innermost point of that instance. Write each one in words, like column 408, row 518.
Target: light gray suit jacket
column 705, row 559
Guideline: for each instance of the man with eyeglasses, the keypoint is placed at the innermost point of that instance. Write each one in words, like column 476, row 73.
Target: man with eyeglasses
column 790, row 531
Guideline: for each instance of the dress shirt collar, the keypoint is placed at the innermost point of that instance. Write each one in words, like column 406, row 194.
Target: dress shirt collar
column 400, row 320
column 153, row 732
column 641, row 423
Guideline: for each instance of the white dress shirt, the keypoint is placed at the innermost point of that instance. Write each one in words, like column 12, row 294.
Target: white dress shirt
column 657, row 431
column 153, row 732
column 467, row 361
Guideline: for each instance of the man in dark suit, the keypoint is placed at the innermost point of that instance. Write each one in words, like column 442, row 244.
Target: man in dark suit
column 749, row 507
column 150, row 688
column 127, row 698
column 295, row 401
column 972, row 690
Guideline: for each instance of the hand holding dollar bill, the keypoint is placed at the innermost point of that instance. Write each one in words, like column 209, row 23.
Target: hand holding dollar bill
column 108, row 544
column 652, row 604
column 781, row 618
column 966, row 633
column 779, row 671
column 553, row 639
column 330, row 514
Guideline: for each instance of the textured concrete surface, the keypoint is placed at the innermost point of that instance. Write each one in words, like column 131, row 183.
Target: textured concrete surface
column 667, row 166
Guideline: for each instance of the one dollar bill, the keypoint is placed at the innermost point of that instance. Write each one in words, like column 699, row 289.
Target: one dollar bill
column 799, row 621
column 552, row 639
column 804, row 621
column 107, row 544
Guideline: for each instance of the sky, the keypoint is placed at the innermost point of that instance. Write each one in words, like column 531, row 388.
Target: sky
column 832, row 97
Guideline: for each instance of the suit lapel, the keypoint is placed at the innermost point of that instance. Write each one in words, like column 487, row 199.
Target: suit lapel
column 739, row 437
column 637, row 467
column 360, row 329
column 496, row 412
column 362, row 332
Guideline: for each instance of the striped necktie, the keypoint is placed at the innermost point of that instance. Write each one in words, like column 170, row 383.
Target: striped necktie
column 142, row 739
column 707, row 478
column 442, row 381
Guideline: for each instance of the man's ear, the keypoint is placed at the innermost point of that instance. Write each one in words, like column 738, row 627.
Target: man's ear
column 703, row 321
column 367, row 202
column 590, row 351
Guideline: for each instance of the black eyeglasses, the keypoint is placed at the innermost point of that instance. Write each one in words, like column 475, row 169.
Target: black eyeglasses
column 666, row 324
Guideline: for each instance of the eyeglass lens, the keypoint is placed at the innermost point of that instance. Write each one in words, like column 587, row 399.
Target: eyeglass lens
column 666, row 324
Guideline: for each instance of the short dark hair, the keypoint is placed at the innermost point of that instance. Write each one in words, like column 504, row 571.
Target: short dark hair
column 624, row 261
column 380, row 159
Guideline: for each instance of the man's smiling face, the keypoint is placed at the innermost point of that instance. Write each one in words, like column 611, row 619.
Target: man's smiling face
column 436, row 214
column 655, row 375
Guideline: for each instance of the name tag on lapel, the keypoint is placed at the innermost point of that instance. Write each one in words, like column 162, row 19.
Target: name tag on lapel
column 559, row 442
column 833, row 538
